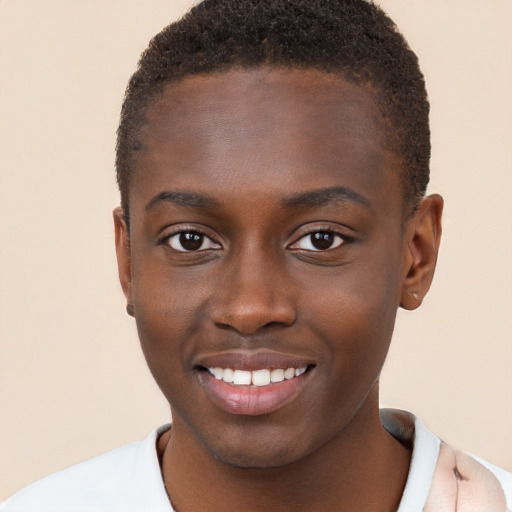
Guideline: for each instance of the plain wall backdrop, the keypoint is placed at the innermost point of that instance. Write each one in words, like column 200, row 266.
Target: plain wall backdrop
column 73, row 382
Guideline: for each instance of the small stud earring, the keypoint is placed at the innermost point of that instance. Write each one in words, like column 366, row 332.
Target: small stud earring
column 413, row 294
column 130, row 309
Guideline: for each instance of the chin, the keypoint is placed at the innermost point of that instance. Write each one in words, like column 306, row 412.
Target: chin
column 255, row 448
column 255, row 460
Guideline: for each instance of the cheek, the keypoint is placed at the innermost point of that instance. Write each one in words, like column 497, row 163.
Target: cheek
column 354, row 310
column 169, row 307
column 362, row 298
column 167, row 298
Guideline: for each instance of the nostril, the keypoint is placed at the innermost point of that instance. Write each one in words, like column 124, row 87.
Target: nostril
column 250, row 314
column 274, row 324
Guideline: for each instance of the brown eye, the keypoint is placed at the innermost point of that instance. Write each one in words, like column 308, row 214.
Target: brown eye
column 189, row 241
column 319, row 241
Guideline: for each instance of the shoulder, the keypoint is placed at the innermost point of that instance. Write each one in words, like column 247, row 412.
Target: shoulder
column 443, row 478
column 119, row 480
column 466, row 482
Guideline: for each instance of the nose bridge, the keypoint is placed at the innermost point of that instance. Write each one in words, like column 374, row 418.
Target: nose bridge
column 252, row 292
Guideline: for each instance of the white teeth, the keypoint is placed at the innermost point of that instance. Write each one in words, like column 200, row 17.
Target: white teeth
column 277, row 375
column 262, row 377
column 228, row 375
column 217, row 373
column 289, row 373
column 242, row 377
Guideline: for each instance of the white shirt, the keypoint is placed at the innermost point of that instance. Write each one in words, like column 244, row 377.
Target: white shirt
column 129, row 479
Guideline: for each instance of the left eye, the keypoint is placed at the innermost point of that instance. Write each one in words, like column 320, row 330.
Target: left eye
column 319, row 241
column 189, row 241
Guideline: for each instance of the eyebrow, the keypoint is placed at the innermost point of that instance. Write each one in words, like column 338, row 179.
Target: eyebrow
column 187, row 199
column 325, row 196
column 310, row 199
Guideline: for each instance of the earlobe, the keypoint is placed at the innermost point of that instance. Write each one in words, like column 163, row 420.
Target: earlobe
column 423, row 238
column 123, row 256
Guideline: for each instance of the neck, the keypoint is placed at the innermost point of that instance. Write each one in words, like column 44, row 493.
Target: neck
column 361, row 468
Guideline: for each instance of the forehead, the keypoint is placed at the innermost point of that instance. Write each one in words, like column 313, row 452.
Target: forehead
column 279, row 125
column 243, row 92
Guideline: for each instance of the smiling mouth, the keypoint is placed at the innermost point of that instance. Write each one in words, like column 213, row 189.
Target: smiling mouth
column 253, row 383
column 260, row 378
column 253, row 391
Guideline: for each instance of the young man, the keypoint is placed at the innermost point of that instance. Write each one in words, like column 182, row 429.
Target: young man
column 273, row 159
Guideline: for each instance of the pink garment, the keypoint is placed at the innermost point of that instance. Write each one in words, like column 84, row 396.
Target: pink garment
column 442, row 479
column 462, row 484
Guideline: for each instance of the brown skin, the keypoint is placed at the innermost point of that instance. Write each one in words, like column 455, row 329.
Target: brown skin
column 251, row 140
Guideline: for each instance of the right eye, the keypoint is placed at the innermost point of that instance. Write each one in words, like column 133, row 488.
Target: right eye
column 191, row 241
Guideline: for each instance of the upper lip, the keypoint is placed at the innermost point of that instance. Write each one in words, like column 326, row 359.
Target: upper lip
column 251, row 360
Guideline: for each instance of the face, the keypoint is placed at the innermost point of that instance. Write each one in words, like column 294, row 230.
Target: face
column 267, row 259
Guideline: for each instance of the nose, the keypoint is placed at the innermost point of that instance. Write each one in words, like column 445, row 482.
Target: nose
column 252, row 294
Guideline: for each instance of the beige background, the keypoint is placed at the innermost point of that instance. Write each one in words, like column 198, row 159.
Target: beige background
column 73, row 382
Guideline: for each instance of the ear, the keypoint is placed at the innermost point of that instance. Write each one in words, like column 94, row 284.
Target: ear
column 123, row 256
column 423, row 232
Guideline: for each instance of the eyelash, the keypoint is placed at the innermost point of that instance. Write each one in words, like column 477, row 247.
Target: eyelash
column 322, row 235
column 203, row 237
column 199, row 238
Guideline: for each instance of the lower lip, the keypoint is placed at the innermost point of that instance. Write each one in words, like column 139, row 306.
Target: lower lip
column 252, row 400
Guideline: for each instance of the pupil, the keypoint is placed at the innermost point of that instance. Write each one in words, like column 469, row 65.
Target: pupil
column 322, row 240
column 191, row 241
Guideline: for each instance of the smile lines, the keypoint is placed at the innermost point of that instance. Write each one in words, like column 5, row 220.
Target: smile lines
column 257, row 377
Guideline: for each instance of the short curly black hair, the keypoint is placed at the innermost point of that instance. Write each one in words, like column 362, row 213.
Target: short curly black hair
column 354, row 38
